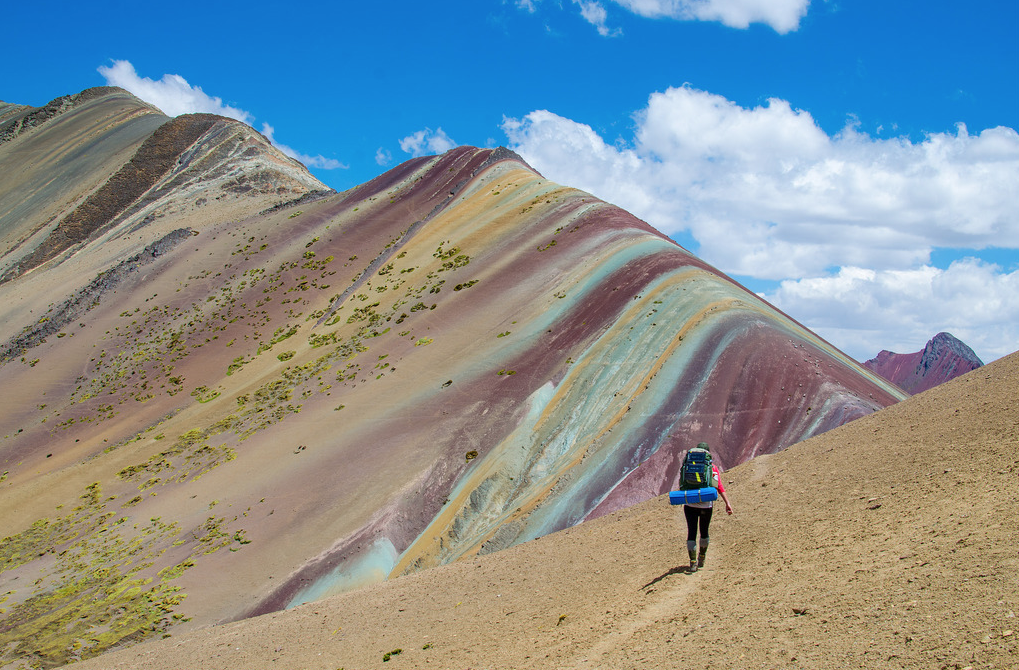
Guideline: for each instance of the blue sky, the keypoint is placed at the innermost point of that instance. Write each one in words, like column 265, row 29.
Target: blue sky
column 856, row 163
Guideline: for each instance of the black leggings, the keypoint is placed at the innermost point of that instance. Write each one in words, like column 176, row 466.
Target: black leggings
column 692, row 515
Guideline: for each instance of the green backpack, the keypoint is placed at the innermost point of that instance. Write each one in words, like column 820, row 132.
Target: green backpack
column 697, row 472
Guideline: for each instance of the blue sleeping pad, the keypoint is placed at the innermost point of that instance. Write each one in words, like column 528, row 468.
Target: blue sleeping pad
column 693, row 496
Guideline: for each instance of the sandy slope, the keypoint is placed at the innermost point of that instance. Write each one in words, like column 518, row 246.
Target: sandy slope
column 888, row 543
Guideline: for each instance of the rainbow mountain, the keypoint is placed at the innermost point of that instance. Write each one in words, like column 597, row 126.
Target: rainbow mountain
column 230, row 390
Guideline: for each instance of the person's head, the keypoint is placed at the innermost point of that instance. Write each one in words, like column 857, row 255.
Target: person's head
column 703, row 445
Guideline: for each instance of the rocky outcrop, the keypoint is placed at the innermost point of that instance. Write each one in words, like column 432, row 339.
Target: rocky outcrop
column 943, row 358
column 89, row 297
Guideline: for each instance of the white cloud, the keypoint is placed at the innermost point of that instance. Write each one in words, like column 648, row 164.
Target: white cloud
column 427, row 141
column 172, row 94
column 767, row 194
column 864, row 311
column 782, row 15
column 317, row 161
column 383, row 156
column 595, row 14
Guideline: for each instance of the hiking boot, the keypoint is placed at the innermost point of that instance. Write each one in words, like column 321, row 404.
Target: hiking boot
column 701, row 557
column 693, row 560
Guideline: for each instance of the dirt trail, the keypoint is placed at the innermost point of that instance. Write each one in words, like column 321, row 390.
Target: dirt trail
column 888, row 543
column 663, row 607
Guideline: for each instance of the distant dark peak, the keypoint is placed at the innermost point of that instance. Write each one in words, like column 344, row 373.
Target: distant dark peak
column 943, row 358
column 946, row 343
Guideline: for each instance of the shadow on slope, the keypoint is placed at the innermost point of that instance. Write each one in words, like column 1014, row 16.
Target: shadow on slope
column 888, row 542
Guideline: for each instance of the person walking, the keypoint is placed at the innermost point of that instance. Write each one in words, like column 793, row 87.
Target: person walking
column 698, row 517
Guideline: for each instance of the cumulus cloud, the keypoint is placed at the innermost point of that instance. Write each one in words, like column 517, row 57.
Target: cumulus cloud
column 427, row 141
column 782, row 15
column 383, row 156
column 317, row 161
column 865, row 311
column 173, row 95
column 767, row 194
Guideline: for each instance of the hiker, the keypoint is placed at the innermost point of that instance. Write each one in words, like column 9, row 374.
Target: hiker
column 701, row 512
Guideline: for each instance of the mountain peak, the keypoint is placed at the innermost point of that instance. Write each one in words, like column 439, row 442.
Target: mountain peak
column 130, row 166
column 944, row 344
column 944, row 357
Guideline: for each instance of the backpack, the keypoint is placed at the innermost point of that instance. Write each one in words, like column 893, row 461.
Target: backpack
column 697, row 472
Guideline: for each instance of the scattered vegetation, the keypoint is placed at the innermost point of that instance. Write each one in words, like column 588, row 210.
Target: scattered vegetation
column 100, row 588
column 99, row 584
